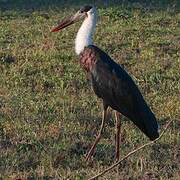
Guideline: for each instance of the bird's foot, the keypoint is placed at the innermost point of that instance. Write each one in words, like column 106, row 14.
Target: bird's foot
column 89, row 155
column 116, row 160
column 92, row 150
column 117, row 157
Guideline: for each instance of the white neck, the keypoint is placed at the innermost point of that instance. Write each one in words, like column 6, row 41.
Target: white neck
column 85, row 33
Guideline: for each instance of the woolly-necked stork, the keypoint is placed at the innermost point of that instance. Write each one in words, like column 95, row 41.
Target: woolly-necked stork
column 110, row 81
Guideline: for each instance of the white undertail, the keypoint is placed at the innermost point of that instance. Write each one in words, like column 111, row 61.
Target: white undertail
column 85, row 34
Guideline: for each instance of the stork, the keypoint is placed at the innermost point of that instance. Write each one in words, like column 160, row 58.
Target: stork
column 109, row 80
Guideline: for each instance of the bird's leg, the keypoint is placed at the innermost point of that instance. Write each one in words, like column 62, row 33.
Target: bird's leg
column 118, row 134
column 99, row 134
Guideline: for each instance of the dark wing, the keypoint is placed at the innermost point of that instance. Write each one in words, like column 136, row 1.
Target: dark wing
column 114, row 85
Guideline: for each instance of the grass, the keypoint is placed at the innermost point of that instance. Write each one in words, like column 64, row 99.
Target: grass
column 49, row 115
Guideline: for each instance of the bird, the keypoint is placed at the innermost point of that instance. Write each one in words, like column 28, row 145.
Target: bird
column 109, row 80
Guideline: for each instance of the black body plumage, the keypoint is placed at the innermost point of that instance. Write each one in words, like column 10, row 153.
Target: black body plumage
column 117, row 89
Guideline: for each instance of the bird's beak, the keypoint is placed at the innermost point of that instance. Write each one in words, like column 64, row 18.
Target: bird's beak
column 68, row 21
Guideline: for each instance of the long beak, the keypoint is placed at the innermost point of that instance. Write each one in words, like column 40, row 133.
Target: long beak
column 68, row 21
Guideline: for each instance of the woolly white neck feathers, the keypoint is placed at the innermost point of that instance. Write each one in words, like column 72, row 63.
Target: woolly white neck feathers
column 85, row 33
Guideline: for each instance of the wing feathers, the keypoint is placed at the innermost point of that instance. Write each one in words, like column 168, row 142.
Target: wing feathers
column 114, row 85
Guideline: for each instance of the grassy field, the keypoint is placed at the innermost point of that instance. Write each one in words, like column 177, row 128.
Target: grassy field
column 49, row 115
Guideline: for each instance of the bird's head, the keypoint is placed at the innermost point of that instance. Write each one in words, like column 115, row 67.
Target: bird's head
column 83, row 13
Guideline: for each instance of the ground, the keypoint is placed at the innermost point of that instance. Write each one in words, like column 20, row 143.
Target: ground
column 49, row 115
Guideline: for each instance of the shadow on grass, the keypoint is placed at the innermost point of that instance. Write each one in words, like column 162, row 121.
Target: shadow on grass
column 32, row 5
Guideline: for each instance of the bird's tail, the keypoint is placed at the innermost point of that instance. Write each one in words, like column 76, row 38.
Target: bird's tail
column 151, row 128
column 148, row 124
